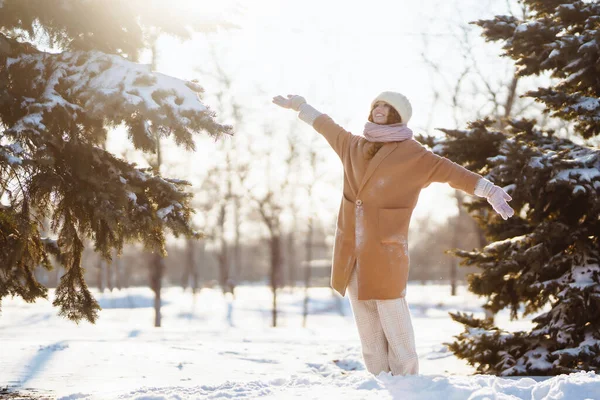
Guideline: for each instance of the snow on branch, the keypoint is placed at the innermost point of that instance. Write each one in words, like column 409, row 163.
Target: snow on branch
column 111, row 89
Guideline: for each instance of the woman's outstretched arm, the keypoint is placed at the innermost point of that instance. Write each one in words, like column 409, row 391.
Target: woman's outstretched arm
column 441, row 169
column 337, row 136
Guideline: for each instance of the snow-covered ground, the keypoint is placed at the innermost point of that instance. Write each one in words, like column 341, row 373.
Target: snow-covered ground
column 213, row 347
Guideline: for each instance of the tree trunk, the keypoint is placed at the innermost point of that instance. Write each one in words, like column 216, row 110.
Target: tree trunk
column 190, row 272
column 109, row 276
column 275, row 270
column 291, row 255
column 190, row 263
column 223, row 256
column 224, row 267
column 453, row 271
column 237, row 254
column 157, row 268
column 126, row 274
column 510, row 98
column 195, row 272
column 100, row 274
column 118, row 266
column 307, row 270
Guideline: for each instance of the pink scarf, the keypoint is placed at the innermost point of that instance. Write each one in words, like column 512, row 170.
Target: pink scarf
column 387, row 133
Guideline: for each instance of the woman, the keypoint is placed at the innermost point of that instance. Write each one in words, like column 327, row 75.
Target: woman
column 384, row 172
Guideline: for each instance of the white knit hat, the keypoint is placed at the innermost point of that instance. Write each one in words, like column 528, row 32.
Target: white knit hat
column 398, row 101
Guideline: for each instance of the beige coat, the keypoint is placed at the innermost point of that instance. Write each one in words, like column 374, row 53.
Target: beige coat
column 379, row 197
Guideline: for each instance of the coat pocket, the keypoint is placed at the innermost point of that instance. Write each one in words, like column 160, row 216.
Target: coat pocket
column 393, row 225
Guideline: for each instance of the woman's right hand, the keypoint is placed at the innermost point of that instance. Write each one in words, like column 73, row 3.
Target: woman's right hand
column 497, row 198
column 292, row 101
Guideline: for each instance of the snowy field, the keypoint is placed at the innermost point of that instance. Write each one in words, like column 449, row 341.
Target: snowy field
column 213, row 347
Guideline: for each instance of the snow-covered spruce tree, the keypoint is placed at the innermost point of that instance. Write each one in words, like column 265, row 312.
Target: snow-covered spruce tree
column 55, row 110
column 546, row 258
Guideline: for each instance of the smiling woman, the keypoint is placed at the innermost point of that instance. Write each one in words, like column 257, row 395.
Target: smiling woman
column 370, row 253
column 380, row 113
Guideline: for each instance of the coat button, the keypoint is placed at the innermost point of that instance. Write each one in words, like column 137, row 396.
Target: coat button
column 358, row 202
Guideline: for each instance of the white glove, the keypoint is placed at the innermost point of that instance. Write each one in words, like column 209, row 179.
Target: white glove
column 497, row 198
column 293, row 101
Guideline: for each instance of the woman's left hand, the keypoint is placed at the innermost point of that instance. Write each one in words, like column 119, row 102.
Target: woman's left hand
column 497, row 198
column 293, row 101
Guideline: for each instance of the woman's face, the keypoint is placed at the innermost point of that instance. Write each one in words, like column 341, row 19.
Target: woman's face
column 380, row 112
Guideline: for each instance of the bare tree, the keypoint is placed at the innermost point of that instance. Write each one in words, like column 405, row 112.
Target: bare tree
column 309, row 236
column 226, row 179
column 214, row 203
column 190, row 277
column 315, row 177
column 295, row 170
column 270, row 205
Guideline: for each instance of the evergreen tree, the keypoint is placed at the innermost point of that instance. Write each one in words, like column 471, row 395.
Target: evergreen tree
column 545, row 260
column 55, row 110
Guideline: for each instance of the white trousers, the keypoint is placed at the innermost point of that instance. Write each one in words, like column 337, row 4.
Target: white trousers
column 386, row 333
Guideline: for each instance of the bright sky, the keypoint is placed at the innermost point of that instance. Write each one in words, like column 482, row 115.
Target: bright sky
column 338, row 55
